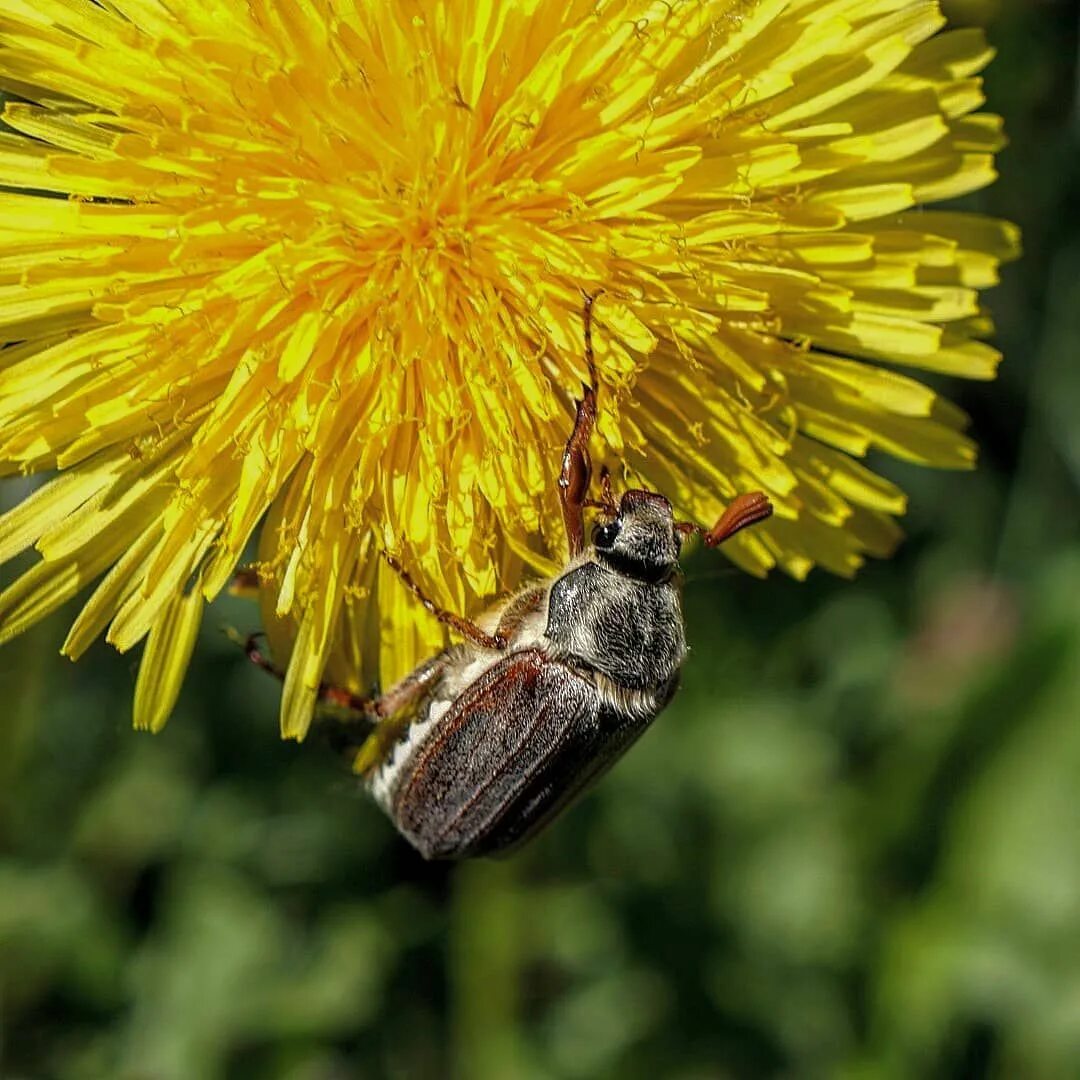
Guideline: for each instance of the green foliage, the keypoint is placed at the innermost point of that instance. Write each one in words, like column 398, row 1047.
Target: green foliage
column 850, row 849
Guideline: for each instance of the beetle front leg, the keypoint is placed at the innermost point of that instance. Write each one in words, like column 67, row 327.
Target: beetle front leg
column 576, row 472
column 465, row 627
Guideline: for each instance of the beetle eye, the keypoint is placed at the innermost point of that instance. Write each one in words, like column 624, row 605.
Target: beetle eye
column 604, row 535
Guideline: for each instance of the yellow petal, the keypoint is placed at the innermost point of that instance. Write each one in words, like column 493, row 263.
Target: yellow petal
column 165, row 659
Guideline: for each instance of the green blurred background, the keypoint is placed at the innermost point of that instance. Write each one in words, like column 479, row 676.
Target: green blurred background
column 850, row 849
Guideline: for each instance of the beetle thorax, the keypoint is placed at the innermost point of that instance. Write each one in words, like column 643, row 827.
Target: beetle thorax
column 608, row 630
column 629, row 631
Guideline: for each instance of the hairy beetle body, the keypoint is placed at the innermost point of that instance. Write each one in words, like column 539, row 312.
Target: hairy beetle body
column 505, row 739
column 481, row 745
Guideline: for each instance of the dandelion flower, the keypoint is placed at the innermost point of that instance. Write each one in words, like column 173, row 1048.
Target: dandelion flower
column 318, row 264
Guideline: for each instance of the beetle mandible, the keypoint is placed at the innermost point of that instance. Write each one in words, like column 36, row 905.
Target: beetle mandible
column 482, row 745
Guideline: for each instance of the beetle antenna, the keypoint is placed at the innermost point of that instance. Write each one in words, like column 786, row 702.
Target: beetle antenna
column 606, row 504
column 590, row 357
column 742, row 511
column 608, row 494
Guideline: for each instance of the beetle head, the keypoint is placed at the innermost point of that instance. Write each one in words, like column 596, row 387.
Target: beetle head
column 640, row 540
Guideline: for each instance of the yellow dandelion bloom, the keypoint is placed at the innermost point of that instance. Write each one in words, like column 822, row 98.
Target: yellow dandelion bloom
column 318, row 264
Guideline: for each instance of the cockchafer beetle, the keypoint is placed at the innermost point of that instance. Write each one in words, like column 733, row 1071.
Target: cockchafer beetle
column 481, row 746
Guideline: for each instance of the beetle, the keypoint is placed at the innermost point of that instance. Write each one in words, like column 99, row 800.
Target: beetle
column 482, row 745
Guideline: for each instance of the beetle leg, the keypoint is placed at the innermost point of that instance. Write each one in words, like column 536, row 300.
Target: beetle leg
column 576, row 473
column 328, row 693
column 250, row 645
column 576, row 465
column 466, row 628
